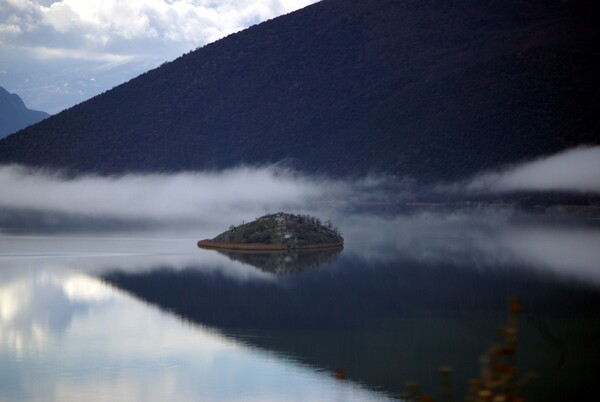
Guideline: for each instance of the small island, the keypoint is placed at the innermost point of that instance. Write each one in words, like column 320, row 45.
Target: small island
column 278, row 232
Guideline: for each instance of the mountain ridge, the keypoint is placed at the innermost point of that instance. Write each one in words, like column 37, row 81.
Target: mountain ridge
column 417, row 89
column 14, row 115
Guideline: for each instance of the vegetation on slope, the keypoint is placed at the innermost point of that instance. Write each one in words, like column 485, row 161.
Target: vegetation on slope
column 292, row 231
column 427, row 89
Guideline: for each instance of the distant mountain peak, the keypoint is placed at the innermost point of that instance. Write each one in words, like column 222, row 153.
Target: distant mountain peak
column 14, row 115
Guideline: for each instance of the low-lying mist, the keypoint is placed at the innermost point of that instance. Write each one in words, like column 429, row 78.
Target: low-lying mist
column 221, row 198
column 572, row 170
column 236, row 194
column 480, row 239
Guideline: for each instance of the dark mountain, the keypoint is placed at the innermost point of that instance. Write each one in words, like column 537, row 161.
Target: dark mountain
column 14, row 115
column 430, row 89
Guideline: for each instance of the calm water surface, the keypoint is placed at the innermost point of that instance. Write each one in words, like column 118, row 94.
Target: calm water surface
column 148, row 316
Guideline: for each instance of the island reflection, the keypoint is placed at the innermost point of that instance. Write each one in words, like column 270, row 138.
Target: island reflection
column 285, row 262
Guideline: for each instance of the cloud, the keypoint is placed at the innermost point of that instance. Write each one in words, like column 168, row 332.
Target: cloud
column 72, row 33
column 573, row 170
column 44, row 53
column 102, row 24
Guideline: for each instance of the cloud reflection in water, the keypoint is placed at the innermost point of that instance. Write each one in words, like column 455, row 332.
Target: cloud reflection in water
column 70, row 337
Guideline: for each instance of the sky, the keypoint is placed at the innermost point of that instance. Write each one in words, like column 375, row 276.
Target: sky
column 57, row 53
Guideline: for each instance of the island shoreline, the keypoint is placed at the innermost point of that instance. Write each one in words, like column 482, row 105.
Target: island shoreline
column 217, row 245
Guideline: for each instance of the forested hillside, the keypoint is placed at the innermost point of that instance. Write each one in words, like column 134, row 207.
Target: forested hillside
column 426, row 89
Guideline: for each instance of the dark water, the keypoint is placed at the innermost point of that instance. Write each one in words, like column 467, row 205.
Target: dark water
column 150, row 317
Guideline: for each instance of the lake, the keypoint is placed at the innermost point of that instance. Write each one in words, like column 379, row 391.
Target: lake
column 142, row 314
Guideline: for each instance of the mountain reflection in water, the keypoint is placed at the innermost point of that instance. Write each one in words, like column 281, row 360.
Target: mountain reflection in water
column 385, row 323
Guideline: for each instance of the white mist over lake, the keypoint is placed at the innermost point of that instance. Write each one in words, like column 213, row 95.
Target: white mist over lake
column 245, row 193
column 572, row 170
column 240, row 193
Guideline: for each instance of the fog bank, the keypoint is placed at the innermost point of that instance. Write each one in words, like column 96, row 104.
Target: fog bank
column 239, row 194
column 217, row 199
column 572, row 170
